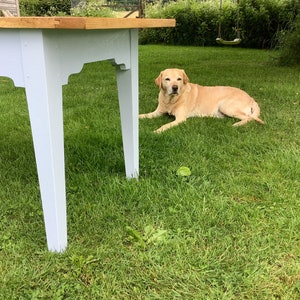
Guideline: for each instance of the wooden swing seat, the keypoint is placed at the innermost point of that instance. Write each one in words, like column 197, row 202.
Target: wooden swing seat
column 224, row 42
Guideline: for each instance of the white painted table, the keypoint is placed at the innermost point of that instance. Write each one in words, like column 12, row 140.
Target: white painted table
column 39, row 53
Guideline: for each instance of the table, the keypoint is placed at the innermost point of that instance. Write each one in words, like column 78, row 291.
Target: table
column 40, row 53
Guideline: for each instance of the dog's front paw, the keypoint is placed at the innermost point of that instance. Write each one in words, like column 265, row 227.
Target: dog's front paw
column 159, row 130
column 142, row 116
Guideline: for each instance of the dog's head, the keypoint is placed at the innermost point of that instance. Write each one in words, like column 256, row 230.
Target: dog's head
column 172, row 81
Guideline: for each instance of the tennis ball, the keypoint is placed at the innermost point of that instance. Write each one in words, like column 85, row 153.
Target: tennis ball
column 184, row 171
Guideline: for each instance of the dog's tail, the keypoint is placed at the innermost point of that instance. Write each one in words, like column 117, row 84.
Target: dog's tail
column 255, row 112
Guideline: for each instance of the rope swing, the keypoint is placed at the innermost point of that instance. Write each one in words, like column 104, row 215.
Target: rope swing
column 238, row 39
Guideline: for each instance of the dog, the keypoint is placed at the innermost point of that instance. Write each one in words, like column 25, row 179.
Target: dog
column 182, row 99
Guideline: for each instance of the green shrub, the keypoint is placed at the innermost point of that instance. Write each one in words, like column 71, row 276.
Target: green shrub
column 92, row 8
column 45, row 7
column 194, row 23
column 261, row 20
column 290, row 53
column 197, row 21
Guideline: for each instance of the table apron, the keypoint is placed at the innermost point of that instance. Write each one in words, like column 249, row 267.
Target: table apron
column 69, row 48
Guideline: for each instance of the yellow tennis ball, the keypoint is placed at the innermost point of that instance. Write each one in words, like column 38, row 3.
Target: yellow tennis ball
column 184, row 171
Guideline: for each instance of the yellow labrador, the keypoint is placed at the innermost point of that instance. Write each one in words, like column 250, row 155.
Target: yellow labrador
column 182, row 99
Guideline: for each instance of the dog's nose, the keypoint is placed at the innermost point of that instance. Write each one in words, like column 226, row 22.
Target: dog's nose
column 174, row 88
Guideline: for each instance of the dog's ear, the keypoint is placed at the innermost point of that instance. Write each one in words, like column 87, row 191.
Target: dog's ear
column 185, row 77
column 158, row 80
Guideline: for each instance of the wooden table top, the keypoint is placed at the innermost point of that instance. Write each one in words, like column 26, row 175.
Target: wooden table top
column 87, row 23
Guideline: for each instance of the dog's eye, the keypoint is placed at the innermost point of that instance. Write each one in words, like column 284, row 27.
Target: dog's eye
column 179, row 79
column 167, row 79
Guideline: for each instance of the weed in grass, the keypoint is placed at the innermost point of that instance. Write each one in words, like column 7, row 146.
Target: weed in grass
column 230, row 230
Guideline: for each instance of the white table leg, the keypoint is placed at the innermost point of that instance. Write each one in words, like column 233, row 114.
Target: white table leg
column 127, row 81
column 127, row 90
column 44, row 97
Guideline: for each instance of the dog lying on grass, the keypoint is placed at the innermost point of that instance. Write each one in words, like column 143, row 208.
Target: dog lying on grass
column 182, row 99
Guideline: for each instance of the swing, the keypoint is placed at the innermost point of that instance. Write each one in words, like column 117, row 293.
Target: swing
column 238, row 39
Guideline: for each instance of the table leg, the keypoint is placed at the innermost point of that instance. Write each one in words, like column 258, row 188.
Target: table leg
column 44, row 97
column 128, row 110
column 127, row 81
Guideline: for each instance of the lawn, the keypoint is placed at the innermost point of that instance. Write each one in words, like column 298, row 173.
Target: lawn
column 228, row 231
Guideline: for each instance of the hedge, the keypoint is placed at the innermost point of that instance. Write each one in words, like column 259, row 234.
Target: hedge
column 91, row 8
column 260, row 22
column 44, row 7
column 290, row 52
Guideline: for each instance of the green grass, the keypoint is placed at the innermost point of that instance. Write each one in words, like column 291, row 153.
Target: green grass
column 229, row 231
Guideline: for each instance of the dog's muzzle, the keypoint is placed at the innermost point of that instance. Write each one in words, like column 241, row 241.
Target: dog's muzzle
column 174, row 90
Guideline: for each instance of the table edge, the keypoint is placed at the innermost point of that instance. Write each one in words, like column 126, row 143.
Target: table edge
column 86, row 23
